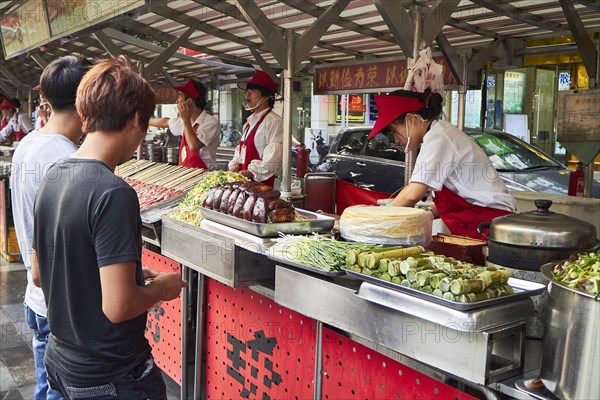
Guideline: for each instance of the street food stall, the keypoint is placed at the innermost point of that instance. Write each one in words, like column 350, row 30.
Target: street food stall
column 261, row 323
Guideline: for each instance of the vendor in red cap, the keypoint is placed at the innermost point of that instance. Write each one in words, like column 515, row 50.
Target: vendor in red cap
column 259, row 154
column 200, row 132
column 18, row 125
column 467, row 190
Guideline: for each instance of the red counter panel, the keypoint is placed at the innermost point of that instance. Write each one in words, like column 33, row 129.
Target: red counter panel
column 353, row 371
column 163, row 329
column 256, row 349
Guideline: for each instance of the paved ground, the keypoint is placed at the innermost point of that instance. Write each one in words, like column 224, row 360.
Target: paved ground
column 17, row 374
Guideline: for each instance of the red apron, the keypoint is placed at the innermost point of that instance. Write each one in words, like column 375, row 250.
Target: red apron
column 16, row 135
column 188, row 158
column 462, row 217
column 251, row 152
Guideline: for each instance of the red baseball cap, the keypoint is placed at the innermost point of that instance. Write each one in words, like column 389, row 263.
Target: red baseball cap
column 6, row 105
column 260, row 78
column 196, row 91
column 390, row 107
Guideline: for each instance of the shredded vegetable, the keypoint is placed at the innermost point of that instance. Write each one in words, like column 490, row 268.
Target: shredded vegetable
column 581, row 273
column 317, row 251
column 188, row 210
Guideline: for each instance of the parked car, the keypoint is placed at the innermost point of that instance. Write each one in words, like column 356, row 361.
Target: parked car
column 378, row 164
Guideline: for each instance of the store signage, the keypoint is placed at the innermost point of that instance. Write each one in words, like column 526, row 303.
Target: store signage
column 39, row 22
column 514, row 92
column 373, row 77
column 356, row 108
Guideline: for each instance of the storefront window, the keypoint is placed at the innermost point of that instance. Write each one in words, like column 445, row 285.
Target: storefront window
column 472, row 108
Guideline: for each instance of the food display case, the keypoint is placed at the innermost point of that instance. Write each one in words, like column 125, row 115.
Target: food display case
column 251, row 294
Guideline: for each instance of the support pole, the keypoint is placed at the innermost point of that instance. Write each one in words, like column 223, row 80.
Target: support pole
column 462, row 93
column 288, row 91
column 411, row 156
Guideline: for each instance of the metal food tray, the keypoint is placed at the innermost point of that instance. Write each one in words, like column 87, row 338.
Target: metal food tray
column 522, row 288
column 315, row 223
column 285, row 263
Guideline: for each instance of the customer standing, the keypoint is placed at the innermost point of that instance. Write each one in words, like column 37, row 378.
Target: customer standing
column 200, row 132
column 87, row 239
column 467, row 190
column 17, row 125
column 36, row 153
column 260, row 152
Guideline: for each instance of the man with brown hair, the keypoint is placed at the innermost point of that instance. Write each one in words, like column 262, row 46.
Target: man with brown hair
column 87, row 242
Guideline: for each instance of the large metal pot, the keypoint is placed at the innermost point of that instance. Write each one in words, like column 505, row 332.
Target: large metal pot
column 531, row 239
column 570, row 360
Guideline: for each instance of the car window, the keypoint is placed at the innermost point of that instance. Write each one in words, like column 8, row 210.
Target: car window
column 506, row 153
column 381, row 146
column 351, row 142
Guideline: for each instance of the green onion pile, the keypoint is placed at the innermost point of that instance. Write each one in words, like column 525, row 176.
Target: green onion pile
column 316, row 251
column 581, row 273
column 188, row 210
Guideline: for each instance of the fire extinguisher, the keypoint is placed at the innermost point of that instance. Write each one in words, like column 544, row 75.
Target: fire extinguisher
column 576, row 181
column 302, row 161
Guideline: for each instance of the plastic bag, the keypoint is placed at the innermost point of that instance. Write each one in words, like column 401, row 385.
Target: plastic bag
column 426, row 73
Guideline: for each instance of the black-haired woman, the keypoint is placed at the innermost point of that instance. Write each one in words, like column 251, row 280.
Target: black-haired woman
column 467, row 190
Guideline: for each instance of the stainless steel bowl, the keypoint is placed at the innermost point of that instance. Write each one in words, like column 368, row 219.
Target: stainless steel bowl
column 571, row 355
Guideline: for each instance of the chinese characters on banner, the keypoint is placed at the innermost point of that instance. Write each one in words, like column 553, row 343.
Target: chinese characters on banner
column 376, row 76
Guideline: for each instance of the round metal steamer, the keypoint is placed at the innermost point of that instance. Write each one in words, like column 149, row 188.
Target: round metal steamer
column 529, row 240
column 570, row 362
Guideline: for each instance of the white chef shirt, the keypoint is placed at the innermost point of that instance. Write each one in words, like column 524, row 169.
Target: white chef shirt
column 269, row 144
column 449, row 157
column 208, row 132
column 16, row 123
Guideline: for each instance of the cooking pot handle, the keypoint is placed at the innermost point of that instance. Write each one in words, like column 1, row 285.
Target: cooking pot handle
column 481, row 227
column 596, row 246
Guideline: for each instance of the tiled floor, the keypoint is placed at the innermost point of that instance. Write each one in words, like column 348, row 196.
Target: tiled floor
column 17, row 374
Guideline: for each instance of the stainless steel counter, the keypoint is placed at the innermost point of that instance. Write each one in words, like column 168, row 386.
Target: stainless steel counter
column 477, row 355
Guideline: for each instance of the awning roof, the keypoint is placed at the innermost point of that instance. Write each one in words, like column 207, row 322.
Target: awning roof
column 222, row 31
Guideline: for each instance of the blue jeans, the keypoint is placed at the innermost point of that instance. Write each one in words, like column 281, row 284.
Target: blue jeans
column 41, row 330
column 145, row 384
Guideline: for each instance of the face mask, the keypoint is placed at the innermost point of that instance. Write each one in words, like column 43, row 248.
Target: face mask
column 257, row 104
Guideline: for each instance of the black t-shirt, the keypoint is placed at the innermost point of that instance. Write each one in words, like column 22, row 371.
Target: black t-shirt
column 86, row 218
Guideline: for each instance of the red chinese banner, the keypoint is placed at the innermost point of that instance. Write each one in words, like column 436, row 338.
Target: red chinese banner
column 368, row 77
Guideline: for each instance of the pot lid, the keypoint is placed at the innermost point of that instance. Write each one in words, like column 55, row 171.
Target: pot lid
column 543, row 228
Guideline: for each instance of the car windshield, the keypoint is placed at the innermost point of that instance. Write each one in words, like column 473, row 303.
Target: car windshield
column 507, row 153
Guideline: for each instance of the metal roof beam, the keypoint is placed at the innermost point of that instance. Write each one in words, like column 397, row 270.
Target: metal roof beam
column 472, row 29
column 123, row 37
column 39, row 60
column 155, row 66
column 233, row 12
column 399, row 21
column 264, row 65
column 108, row 45
column 315, row 11
column 451, row 56
column 436, row 19
column 11, row 77
column 589, row 54
column 158, row 34
column 265, row 29
column 591, row 4
column 311, row 36
column 517, row 14
column 186, row 20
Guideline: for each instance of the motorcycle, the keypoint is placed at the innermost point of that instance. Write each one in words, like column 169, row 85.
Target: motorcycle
column 322, row 148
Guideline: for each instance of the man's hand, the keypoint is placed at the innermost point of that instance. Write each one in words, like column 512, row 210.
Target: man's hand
column 171, row 284
column 184, row 109
column 150, row 273
column 236, row 167
column 247, row 174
